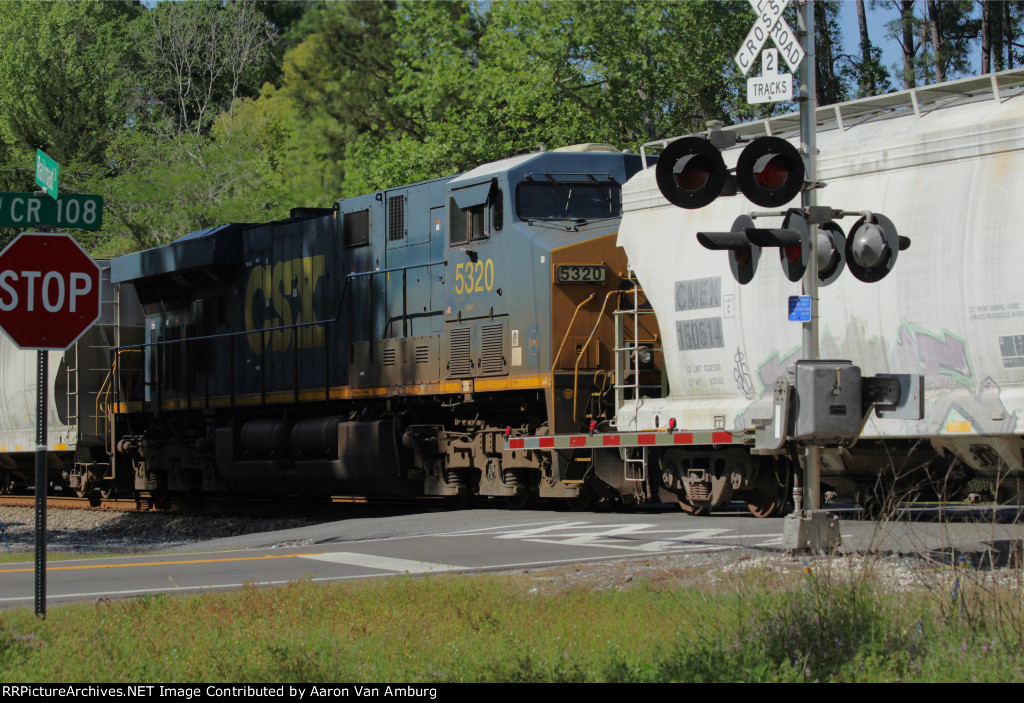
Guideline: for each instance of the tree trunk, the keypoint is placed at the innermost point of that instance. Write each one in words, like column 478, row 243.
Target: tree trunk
column 995, row 29
column 986, row 39
column 1008, row 29
column 867, row 81
column 909, row 49
column 935, row 24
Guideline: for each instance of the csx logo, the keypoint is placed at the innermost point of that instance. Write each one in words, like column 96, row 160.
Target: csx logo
column 281, row 295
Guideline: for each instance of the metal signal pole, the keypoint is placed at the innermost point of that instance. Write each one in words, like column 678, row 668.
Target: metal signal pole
column 808, row 145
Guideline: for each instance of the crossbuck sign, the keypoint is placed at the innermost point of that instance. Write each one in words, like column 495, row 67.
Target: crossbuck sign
column 769, row 24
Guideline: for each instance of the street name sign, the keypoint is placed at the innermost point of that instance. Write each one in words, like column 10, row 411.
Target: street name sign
column 73, row 210
column 49, row 291
column 47, row 173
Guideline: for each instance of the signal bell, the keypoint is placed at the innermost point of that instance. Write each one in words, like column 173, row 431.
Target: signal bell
column 691, row 172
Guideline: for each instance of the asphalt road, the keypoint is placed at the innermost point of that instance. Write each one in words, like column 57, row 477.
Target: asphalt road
column 487, row 540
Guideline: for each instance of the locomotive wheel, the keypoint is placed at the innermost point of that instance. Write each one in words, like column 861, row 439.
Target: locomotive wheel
column 691, row 509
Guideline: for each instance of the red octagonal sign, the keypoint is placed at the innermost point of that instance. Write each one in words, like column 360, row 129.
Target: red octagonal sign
column 49, row 291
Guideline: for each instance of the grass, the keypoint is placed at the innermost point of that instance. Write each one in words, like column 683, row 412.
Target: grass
column 754, row 625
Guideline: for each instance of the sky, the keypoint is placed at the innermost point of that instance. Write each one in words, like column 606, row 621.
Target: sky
column 878, row 17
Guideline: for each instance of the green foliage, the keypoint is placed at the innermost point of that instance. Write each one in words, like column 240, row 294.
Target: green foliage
column 496, row 629
column 166, row 189
column 62, row 75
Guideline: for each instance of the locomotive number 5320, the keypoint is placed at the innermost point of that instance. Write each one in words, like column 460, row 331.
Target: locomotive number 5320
column 474, row 276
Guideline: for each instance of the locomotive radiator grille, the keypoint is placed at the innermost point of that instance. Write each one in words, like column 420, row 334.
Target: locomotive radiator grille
column 388, row 356
column 422, row 354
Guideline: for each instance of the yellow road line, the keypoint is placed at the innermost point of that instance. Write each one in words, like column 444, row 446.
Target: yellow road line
column 162, row 563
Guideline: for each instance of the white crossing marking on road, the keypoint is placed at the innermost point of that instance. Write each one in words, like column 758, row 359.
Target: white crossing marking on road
column 408, row 566
column 634, row 536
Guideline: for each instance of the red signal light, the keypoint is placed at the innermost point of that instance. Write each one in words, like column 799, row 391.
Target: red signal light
column 771, row 171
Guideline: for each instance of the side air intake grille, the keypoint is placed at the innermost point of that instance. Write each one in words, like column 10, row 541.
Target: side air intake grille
column 492, row 350
column 460, row 358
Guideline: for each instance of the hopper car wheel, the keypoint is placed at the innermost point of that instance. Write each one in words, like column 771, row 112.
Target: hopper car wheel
column 460, row 501
column 582, row 501
column 5, row 483
column 772, row 492
column 520, row 501
column 691, row 509
column 108, row 490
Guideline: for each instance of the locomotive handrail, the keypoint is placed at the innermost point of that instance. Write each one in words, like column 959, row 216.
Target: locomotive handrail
column 576, row 369
column 357, row 274
column 105, row 392
column 568, row 329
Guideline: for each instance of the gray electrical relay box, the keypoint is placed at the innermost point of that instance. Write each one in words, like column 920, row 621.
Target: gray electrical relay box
column 829, row 411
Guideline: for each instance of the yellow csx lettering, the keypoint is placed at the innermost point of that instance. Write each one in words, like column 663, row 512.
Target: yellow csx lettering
column 280, row 295
column 474, row 276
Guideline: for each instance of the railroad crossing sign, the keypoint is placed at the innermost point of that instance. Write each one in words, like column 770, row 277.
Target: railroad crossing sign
column 769, row 23
column 49, row 291
column 769, row 87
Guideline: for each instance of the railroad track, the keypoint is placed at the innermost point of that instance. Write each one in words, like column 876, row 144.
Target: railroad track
column 145, row 503
column 90, row 502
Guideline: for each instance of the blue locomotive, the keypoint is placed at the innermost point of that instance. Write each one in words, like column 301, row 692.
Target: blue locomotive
column 387, row 345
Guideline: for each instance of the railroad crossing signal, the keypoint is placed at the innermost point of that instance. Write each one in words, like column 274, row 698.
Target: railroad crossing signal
column 870, row 252
column 49, row 291
column 691, row 172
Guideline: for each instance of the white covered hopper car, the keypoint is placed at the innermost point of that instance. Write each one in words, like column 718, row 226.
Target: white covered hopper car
column 946, row 164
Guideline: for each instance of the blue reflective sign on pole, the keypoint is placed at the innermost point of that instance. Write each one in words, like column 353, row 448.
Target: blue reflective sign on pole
column 800, row 308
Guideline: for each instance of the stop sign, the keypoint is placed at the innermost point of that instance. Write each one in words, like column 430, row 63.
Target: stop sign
column 49, row 291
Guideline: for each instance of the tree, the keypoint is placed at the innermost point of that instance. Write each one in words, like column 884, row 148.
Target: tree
column 867, row 71
column 63, row 76
column 197, row 54
column 828, row 53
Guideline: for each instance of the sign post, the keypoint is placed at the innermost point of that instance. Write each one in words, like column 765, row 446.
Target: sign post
column 49, row 297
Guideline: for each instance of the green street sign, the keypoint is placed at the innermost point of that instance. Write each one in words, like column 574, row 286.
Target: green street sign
column 47, row 173
column 75, row 211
